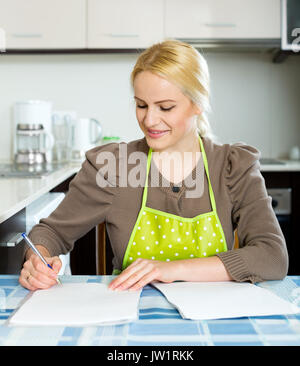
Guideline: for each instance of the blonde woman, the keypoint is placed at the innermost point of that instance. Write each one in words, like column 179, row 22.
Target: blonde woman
column 158, row 231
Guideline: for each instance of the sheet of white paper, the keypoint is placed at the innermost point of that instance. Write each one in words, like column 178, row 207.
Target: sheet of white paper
column 77, row 304
column 217, row 300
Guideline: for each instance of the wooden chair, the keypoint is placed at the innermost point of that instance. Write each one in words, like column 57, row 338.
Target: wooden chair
column 236, row 240
column 104, row 253
column 101, row 250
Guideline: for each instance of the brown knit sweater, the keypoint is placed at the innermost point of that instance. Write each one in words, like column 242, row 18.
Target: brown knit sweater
column 240, row 194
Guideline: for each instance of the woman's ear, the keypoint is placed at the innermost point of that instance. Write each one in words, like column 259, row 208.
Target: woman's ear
column 197, row 109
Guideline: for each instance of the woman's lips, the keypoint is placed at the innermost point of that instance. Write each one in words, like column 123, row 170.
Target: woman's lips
column 155, row 134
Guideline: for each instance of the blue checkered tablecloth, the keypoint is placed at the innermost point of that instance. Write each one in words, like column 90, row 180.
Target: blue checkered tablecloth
column 159, row 323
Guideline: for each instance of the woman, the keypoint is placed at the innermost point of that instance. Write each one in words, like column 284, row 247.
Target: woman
column 158, row 232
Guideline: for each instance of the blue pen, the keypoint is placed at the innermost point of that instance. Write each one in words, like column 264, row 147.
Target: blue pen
column 32, row 246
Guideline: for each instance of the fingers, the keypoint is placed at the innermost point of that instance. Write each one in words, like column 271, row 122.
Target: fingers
column 24, row 280
column 135, row 276
column 36, row 275
column 55, row 264
column 136, row 265
column 149, row 277
column 35, row 280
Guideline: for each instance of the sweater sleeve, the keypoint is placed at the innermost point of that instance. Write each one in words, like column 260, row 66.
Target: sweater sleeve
column 86, row 204
column 262, row 253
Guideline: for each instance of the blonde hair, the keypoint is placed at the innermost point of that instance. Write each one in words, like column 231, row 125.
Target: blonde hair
column 182, row 65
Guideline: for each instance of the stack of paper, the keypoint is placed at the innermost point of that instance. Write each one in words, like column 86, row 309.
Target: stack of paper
column 77, row 304
column 216, row 300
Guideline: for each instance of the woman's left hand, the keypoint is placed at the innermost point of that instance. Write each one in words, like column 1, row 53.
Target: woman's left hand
column 143, row 271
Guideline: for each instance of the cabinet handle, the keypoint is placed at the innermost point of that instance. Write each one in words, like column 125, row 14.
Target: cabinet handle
column 12, row 242
column 121, row 35
column 220, row 25
column 27, row 35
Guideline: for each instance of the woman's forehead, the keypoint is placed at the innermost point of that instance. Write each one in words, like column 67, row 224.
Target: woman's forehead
column 150, row 85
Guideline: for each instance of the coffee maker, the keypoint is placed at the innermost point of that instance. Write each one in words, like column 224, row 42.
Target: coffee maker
column 33, row 138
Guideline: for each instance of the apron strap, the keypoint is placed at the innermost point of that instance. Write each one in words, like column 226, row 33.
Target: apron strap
column 211, row 194
column 145, row 193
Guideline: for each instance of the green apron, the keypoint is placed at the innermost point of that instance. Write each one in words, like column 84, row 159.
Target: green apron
column 161, row 236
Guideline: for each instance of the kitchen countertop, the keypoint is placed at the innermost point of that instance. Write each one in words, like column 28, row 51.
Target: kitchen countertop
column 288, row 166
column 17, row 193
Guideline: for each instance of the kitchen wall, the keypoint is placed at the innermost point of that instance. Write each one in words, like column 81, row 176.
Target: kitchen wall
column 253, row 100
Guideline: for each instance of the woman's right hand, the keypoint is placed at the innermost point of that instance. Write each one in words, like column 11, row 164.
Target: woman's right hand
column 36, row 275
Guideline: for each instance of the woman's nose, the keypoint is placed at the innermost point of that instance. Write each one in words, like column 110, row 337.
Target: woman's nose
column 150, row 118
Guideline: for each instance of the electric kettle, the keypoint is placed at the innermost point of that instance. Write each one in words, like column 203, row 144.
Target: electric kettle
column 86, row 134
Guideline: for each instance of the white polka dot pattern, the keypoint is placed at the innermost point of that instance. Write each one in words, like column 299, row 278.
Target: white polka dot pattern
column 160, row 236
column 173, row 238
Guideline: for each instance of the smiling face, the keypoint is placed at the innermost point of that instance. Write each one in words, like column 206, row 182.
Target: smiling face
column 165, row 115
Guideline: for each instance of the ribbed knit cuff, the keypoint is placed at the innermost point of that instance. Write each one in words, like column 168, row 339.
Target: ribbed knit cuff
column 46, row 240
column 236, row 266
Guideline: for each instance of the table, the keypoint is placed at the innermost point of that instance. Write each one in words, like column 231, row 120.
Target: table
column 159, row 323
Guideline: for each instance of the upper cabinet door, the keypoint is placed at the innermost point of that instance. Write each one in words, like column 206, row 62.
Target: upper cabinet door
column 124, row 23
column 43, row 24
column 234, row 19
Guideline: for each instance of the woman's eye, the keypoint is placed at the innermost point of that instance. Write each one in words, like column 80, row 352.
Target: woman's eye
column 164, row 109
column 167, row 109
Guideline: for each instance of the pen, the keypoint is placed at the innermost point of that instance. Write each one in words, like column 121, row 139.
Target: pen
column 32, row 246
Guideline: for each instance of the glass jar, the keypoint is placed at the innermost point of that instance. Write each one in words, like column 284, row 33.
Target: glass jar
column 32, row 142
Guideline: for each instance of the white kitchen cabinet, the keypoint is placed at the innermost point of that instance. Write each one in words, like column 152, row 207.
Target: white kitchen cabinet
column 43, row 24
column 124, row 23
column 222, row 19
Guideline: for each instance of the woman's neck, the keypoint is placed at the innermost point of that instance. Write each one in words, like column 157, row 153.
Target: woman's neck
column 177, row 163
column 190, row 143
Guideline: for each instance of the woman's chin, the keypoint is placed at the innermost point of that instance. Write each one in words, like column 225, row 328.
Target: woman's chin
column 157, row 143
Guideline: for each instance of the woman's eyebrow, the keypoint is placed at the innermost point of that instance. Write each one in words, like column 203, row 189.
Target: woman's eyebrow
column 159, row 101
